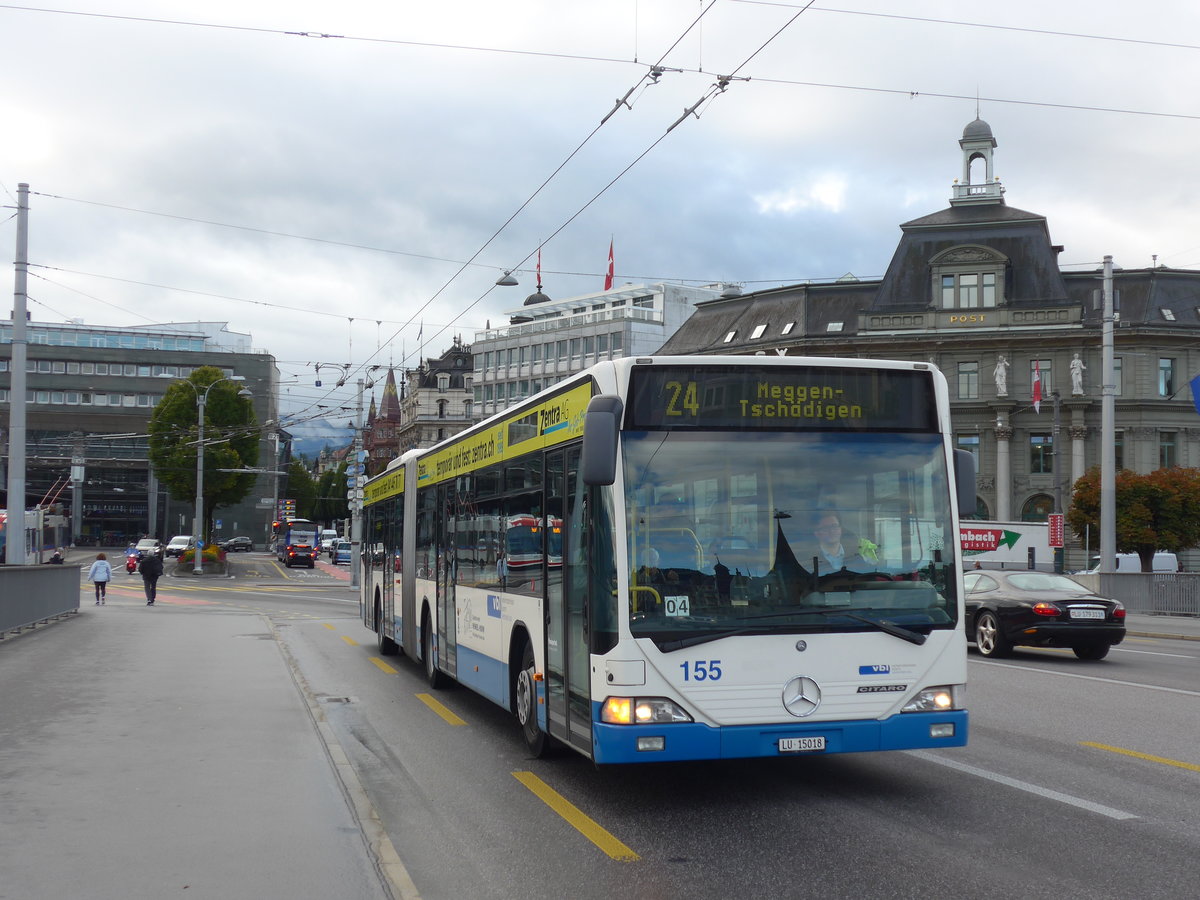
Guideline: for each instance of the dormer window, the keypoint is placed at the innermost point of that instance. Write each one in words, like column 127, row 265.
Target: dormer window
column 968, row 278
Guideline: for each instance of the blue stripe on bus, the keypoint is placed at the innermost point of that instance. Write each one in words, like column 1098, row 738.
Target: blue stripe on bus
column 491, row 680
column 554, row 428
column 904, row 731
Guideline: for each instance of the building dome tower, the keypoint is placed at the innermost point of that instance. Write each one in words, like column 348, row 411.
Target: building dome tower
column 977, row 143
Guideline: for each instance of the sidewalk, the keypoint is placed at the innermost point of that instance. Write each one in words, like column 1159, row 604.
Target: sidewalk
column 1182, row 628
column 156, row 752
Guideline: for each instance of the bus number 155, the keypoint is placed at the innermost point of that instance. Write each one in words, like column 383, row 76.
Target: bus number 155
column 683, row 400
column 701, row 670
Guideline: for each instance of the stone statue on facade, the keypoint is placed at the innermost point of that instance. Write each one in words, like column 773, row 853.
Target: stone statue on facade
column 1001, row 375
column 1077, row 370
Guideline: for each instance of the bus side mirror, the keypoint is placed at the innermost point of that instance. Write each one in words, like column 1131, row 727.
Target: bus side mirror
column 601, row 425
column 964, row 480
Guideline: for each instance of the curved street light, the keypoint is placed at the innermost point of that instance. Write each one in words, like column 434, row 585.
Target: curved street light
column 198, row 519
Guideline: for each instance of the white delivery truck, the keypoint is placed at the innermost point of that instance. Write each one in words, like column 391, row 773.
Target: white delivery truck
column 1006, row 545
column 1131, row 562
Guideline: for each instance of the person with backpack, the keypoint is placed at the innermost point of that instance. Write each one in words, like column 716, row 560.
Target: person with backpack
column 100, row 574
column 151, row 567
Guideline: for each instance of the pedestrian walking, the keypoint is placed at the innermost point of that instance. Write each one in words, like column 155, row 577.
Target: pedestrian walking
column 100, row 574
column 151, row 568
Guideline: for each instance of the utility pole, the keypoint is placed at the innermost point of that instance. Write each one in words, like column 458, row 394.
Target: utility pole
column 1108, row 453
column 1058, row 498
column 356, row 492
column 14, row 554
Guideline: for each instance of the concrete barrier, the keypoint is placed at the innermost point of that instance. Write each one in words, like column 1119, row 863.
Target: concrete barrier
column 30, row 595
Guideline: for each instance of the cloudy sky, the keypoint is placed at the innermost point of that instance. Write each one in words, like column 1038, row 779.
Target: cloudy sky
column 332, row 178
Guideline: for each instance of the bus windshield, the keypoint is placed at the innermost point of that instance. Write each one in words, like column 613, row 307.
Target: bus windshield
column 795, row 532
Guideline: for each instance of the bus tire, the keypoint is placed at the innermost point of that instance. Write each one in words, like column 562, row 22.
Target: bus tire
column 387, row 646
column 435, row 678
column 525, row 700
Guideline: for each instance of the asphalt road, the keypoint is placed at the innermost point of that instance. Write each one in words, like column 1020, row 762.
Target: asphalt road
column 202, row 749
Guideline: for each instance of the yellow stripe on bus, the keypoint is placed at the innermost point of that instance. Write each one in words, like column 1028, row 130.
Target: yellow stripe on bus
column 575, row 818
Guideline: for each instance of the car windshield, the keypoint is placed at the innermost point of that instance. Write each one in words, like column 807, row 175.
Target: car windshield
column 786, row 532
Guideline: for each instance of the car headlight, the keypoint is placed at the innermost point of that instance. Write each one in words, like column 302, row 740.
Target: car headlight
column 936, row 699
column 642, row 711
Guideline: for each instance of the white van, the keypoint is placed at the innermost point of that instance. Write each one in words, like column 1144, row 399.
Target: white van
column 326, row 539
column 1131, row 562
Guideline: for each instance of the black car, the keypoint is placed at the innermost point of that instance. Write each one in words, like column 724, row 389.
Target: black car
column 238, row 543
column 1039, row 609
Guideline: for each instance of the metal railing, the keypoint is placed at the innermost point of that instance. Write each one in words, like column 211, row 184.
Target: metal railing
column 30, row 595
column 1165, row 594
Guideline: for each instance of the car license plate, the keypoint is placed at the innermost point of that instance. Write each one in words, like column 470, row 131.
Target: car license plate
column 800, row 745
column 1087, row 613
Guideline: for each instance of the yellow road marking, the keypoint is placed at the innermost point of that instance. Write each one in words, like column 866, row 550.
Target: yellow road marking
column 575, row 818
column 331, row 627
column 349, row 640
column 382, row 665
column 1191, row 767
column 441, row 710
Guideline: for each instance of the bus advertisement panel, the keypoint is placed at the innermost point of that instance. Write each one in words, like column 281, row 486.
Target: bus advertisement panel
column 716, row 557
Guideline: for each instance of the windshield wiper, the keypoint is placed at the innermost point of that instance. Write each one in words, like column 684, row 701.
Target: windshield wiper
column 683, row 643
column 913, row 637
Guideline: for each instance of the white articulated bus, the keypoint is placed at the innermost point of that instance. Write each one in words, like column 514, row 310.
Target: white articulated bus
column 682, row 590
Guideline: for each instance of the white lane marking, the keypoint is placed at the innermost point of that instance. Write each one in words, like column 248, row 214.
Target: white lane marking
column 1154, row 653
column 1149, row 687
column 1024, row 786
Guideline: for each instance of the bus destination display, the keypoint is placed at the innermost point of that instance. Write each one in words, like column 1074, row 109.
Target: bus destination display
column 771, row 397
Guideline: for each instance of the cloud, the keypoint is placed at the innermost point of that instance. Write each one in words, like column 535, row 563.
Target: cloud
column 826, row 193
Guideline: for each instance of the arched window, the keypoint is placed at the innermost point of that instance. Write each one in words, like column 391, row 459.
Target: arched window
column 968, row 277
column 1037, row 508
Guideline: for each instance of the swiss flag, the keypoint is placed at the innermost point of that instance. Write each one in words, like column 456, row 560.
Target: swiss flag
column 608, row 279
column 1037, row 386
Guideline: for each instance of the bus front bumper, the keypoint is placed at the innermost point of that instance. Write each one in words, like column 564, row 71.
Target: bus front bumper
column 616, row 744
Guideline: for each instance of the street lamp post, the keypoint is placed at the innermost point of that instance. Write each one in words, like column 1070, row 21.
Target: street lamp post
column 198, row 520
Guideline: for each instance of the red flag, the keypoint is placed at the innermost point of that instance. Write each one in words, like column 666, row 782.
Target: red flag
column 1037, row 386
column 608, row 279
column 539, row 269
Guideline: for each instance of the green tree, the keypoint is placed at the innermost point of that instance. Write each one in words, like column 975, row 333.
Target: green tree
column 331, row 495
column 1155, row 511
column 302, row 489
column 231, row 440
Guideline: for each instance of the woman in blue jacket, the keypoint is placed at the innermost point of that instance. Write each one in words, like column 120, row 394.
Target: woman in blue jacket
column 100, row 574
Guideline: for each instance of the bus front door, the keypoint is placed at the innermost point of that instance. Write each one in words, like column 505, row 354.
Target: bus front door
column 566, row 552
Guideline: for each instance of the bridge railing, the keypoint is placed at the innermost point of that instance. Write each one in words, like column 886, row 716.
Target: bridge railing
column 30, row 595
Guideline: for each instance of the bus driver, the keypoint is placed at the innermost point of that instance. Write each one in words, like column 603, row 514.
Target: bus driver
column 836, row 550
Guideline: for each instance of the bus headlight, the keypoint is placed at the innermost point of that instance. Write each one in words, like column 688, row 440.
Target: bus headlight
column 934, row 699
column 642, row 711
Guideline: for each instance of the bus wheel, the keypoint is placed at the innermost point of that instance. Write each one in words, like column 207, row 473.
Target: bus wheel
column 526, row 697
column 387, row 647
column 435, row 678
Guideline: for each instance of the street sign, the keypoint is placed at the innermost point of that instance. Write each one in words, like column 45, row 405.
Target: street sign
column 1055, row 530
